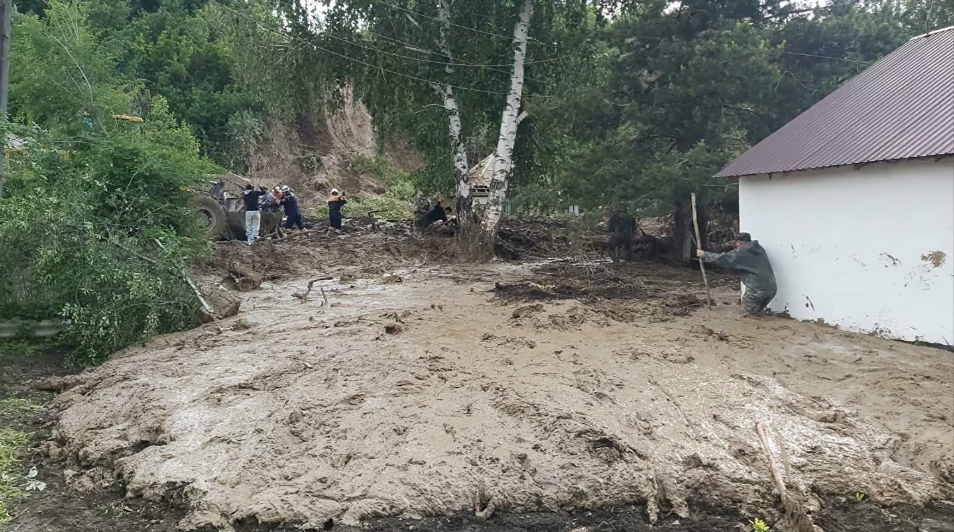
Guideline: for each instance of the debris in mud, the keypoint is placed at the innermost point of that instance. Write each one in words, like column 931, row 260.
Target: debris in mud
column 622, row 293
column 526, row 310
column 706, row 331
column 394, row 328
column 241, row 324
column 515, row 342
column 224, row 303
column 244, row 281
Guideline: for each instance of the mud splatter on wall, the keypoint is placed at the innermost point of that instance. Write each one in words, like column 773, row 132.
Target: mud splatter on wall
column 935, row 258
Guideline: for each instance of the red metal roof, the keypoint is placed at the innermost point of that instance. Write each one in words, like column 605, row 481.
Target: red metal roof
column 901, row 107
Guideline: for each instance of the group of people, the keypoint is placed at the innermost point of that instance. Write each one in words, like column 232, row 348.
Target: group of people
column 282, row 197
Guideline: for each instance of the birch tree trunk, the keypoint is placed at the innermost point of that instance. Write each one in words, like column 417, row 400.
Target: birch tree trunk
column 464, row 205
column 482, row 248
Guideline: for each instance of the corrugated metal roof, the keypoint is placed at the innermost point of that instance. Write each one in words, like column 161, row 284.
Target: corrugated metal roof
column 901, row 107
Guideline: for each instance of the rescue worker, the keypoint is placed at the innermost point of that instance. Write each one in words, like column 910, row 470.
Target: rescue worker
column 335, row 202
column 750, row 260
column 253, row 218
column 269, row 204
column 293, row 216
column 622, row 229
column 436, row 214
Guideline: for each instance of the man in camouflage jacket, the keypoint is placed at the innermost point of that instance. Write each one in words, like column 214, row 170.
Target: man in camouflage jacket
column 751, row 262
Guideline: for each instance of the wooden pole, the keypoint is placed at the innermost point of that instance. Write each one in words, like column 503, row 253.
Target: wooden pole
column 776, row 475
column 702, row 266
column 797, row 519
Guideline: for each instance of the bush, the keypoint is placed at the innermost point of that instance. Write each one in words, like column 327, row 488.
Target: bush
column 101, row 234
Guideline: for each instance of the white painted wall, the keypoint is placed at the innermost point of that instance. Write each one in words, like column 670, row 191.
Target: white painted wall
column 858, row 248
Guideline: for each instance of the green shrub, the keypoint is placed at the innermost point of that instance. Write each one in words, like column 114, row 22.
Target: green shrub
column 87, row 226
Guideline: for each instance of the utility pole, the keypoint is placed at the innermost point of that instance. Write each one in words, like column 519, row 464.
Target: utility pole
column 6, row 7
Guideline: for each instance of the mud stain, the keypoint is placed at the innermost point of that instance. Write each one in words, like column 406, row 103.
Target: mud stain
column 891, row 260
column 935, row 258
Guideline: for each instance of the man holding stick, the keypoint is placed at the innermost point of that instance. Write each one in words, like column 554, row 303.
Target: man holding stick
column 750, row 260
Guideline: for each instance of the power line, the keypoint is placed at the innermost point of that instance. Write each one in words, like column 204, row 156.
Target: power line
column 411, row 46
column 401, row 74
column 827, row 57
column 468, row 28
column 456, row 62
column 408, row 45
column 459, row 62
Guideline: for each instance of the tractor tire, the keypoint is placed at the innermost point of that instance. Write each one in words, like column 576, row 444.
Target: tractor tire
column 212, row 218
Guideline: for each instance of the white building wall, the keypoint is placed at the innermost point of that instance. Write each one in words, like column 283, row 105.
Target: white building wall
column 869, row 250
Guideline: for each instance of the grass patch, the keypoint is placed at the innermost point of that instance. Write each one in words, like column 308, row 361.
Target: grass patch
column 12, row 443
column 20, row 348
column 15, row 408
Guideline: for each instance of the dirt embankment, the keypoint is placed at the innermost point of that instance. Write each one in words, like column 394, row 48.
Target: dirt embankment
column 418, row 390
column 314, row 153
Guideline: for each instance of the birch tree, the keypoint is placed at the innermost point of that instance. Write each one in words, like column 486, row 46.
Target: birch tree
column 461, row 67
column 479, row 243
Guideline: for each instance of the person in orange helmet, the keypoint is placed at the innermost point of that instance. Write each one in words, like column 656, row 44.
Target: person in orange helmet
column 336, row 201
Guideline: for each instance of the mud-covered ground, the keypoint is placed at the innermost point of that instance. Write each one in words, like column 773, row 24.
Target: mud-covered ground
column 565, row 395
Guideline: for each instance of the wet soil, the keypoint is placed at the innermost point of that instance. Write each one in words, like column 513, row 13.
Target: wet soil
column 491, row 364
column 58, row 508
column 626, row 291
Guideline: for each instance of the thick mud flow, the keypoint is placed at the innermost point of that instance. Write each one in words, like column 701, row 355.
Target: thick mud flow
column 438, row 390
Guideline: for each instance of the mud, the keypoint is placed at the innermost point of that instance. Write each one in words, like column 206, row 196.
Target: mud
column 58, row 508
column 310, row 412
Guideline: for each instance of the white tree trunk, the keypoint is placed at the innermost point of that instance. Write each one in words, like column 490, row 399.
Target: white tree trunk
column 512, row 116
column 464, row 202
column 458, row 150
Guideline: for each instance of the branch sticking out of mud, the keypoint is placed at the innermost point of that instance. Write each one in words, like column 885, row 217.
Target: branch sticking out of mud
column 796, row 519
column 304, row 297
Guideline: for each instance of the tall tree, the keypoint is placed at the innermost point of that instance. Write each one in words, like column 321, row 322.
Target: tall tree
column 693, row 84
column 452, row 76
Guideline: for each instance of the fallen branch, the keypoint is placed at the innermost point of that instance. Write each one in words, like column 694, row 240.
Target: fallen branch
column 796, row 519
column 205, row 304
column 304, row 297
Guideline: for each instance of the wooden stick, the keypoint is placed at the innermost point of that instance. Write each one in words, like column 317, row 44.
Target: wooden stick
column 776, row 475
column 702, row 266
column 797, row 519
column 304, row 297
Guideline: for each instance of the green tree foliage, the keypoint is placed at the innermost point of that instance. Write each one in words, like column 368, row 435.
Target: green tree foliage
column 58, row 75
column 87, row 227
column 98, row 210
column 690, row 86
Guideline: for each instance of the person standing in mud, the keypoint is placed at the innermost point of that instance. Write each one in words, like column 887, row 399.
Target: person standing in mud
column 622, row 229
column 293, row 216
column 335, row 202
column 253, row 218
column 752, row 262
